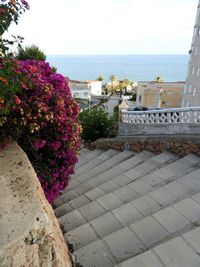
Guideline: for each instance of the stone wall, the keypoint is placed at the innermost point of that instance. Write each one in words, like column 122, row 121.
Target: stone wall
column 131, row 129
column 30, row 235
column 181, row 145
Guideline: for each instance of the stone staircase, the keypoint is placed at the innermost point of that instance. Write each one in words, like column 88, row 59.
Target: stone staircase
column 129, row 209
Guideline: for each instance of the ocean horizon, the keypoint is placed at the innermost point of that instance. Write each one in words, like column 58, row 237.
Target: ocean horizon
column 133, row 67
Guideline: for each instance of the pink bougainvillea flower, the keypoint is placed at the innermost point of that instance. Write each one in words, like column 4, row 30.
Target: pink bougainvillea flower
column 25, row 4
column 17, row 100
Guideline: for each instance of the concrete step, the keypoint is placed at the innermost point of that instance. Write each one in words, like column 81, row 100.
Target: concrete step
column 141, row 236
column 118, row 169
column 122, row 176
column 127, row 212
column 108, row 164
column 96, row 161
column 81, row 188
column 86, row 157
column 91, row 190
column 181, row 251
column 130, row 208
column 150, row 184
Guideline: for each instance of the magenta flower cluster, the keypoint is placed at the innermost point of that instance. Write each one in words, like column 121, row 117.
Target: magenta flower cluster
column 45, row 123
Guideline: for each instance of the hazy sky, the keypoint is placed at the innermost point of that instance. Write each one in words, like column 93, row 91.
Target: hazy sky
column 74, row 27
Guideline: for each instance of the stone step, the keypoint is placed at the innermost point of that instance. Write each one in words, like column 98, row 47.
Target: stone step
column 120, row 168
column 127, row 213
column 84, row 151
column 181, row 251
column 130, row 241
column 94, row 162
column 130, row 213
column 120, row 175
column 86, row 157
column 90, row 191
column 102, row 167
column 81, row 188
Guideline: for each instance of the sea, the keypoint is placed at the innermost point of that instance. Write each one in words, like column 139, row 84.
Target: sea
column 132, row 67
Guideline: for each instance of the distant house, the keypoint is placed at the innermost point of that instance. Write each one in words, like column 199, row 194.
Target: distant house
column 153, row 94
column 85, row 89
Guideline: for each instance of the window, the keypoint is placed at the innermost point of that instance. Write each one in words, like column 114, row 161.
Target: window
column 193, row 68
column 76, row 95
column 163, row 102
column 187, row 104
column 196, row 50
column 190, row 88
column 85, row 93
column 198, row 71
column 140, row 99
column 195, row 31
column 194, row 92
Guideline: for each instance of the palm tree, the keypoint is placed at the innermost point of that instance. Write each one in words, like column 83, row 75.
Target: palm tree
column 158, row 79
column 113, row 78
column 100, row 78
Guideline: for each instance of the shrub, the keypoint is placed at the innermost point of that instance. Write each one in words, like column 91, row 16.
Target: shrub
column 133, row 97
column 30, row 52
column 96, row 124
column 39, row 112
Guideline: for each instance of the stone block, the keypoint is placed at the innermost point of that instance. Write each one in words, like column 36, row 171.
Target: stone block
column 106, row 224
column 121, row 180
column 81, row 236
column 127, row 214
column 126, row 193
column 95, row 254
column 91, row 211
column 94, row 193
column 177, row 253
column 146, row 259
column 109, row 201
column 163, row 197
column 71, row 221
column 171, row 219
column 146, row 205
column 123, row 244
column 63, row 209
column 193, row 238
column 140, row 187
column 149, row 231
column 188, row 208
column 109, row 187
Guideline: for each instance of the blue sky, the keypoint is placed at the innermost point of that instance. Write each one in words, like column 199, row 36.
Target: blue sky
column 74, row 27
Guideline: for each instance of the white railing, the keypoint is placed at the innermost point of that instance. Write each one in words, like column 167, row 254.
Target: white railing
column 163, row 116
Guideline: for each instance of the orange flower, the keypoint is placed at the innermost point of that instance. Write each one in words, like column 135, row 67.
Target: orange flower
column 3, row 80
column 1, row 100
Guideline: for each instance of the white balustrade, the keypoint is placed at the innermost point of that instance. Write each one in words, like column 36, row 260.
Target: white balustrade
column 163, row 116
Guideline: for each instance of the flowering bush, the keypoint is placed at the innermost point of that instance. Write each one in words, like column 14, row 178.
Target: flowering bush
column 38, row 110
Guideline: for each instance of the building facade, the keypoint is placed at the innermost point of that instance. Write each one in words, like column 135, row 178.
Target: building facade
column 159, row 94
column 192, row 88
column 86, row 89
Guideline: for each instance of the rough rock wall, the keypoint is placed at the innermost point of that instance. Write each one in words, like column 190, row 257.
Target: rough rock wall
column 181, row 145
column 30, row 235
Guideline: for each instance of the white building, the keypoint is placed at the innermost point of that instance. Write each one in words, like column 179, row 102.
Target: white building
column 192, row 88
column 85, row 89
